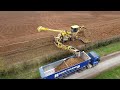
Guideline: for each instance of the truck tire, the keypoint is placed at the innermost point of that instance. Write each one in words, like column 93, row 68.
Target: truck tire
column 82, row 69
column 94, row 65
column 89, row 66
column 79, row 70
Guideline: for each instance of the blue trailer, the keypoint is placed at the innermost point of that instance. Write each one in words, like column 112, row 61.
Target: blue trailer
column 89, row 60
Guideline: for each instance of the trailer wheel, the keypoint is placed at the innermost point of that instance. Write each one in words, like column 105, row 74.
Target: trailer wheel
column 56, row 78
column 84, row 68
column 64, row 75
column 61, row 77
column 79, row 70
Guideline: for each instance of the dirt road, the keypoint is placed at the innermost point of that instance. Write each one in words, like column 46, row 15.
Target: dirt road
column 107, row 62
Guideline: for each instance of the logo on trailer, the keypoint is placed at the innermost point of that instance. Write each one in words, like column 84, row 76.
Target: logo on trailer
column 57, row 75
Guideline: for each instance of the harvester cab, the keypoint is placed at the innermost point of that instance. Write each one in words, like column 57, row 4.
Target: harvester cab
column 78, row 32
column 74, row 28
column 65, row 35
column 74, row 31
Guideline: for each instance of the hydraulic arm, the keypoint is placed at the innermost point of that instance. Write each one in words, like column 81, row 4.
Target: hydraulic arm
column 65, row 35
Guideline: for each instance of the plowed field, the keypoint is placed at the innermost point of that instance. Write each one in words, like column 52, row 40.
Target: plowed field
column 20, row 41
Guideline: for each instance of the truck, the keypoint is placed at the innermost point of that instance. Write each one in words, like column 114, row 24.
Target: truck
column 89, row 60
column 84, row 60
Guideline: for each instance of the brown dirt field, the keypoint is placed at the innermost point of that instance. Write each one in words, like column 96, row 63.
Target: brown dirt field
column 20, row 41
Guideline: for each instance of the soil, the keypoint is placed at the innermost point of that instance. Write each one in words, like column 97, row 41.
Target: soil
column 20, row 41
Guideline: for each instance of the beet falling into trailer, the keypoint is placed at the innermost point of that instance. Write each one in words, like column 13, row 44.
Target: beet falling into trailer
column 89, row 60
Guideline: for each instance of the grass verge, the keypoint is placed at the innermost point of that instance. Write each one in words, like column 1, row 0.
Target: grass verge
column 113, row 73
column 29, row 70
column 105, row 50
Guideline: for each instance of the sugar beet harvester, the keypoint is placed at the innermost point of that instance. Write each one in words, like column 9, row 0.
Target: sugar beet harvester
column 88, row 60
